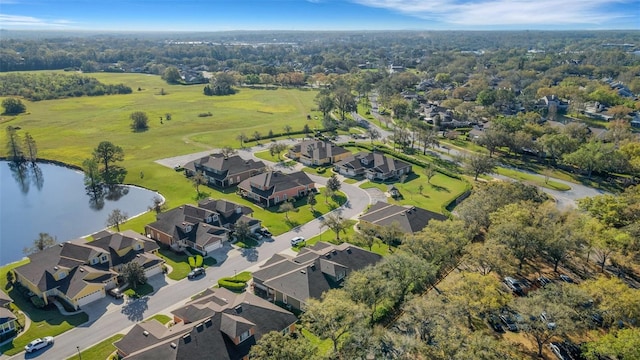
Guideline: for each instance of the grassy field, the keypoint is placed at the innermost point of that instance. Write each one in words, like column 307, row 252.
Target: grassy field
column 89, row 120
column 100, row 350
column 440, row 191
column 532, row 179
column 329, row 236
column 44, row 322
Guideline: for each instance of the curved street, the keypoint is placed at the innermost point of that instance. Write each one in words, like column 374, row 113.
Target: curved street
column 108, row 316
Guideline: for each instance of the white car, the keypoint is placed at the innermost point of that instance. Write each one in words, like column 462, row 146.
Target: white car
column 38, row 344
column 297, row 240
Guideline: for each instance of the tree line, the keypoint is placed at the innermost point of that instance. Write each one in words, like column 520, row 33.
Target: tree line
column 401, row 308
column 47, row 86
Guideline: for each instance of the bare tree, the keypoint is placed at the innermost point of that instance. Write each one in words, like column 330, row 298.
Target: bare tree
column 197, row 180
column 117, row 217
column 43, row 241
column 242, row 138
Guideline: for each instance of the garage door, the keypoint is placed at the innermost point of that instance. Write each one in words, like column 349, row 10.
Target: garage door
column 153, row 271
column 213, row 246
column 91, row 297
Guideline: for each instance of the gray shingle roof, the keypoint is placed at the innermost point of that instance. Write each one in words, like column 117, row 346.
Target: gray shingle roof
column 411, row 219
column 314, row 270
column 272, row 182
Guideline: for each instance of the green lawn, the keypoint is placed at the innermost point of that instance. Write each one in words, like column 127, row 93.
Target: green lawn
column 326, row 173
column 532, row 179
column 435, row 194
column 100, row 350
column 266, row 155
column 140, row 291
column 163, row 319
column 323, row 347
column 178, row 263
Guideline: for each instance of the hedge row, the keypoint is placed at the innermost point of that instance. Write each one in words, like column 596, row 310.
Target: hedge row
column 291, row 133
column 232, row 284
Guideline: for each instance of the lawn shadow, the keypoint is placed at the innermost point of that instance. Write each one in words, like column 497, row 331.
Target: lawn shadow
column 440, row 188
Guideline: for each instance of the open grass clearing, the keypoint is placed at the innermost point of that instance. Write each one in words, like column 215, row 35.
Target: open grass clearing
column 323, row 347
column 99, row 351
column 532, row 179
column 349, row 236
column 89, row 120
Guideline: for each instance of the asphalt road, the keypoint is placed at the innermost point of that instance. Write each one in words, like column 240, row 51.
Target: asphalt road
column 109, row 316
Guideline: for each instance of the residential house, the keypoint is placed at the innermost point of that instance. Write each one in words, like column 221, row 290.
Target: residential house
column 218, row 324
column 373, row 166
column 635, row 120
column 396, row 69
column 410, row 219
column 293, row 280
column 273, row 187
column 553, row 101
column 80, row 272
column 317, row 152
column 224, row 171
column 203, row 228
column 8, row 320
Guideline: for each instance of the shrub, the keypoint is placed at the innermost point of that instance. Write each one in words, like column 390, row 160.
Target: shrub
column 321, row 170
column 232, row 284
column 205, row 114
column 192, row 262
column 199, row 260
column 37, row 302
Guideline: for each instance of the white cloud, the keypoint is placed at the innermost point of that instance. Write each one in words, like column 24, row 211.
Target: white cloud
column 12, row 21
column 507, row 12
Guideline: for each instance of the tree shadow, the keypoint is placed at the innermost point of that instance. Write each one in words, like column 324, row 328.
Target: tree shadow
column 250, row 254
column 20, row 173
column 134, row 309
column 440, row 188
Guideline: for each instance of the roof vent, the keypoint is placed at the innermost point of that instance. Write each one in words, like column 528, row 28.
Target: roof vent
column 348, row 250
column 81, row 269
column 327, row 255
column 312, row 267
column 173, row 345
column 137, row 255
column 335, row 252
column 145, row 333
column 55, row 268
column 200, row 327
column 303, row 272
column 61, row 244
column 238, row 309
column 403, row 214
column 208, row 322
column 187, row 338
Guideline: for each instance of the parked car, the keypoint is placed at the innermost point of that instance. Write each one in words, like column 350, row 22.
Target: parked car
column 545, row 319
column 264, row 232
column 543, row 281
column 38, row 344
column 508, row 321
column 118, row 292
column 297, row 240
column 195, row 273
column 495, row 324
column 566, row 278
column 514, row 285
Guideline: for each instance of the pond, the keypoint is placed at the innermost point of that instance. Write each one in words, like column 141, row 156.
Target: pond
column 48, row 198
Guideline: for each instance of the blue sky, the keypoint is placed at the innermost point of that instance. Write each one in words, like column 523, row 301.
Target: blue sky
column 221, row 15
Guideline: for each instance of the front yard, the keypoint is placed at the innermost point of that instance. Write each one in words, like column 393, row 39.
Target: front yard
column 44, row 322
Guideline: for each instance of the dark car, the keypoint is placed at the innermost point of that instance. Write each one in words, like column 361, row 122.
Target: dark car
column 543, row 281
column 509, row 322
column 566, row 278
column 514, row 285
column 195, row 273
column 494, row 322
column 118, row 292
column 264, row 232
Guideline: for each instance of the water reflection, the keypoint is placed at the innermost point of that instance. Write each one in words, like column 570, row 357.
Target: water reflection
column 98, row 194
column 25, row 174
